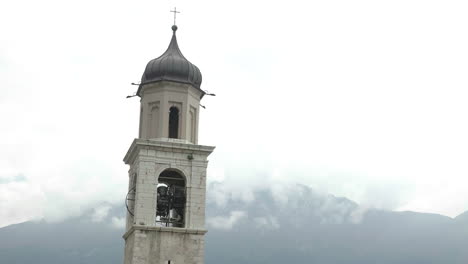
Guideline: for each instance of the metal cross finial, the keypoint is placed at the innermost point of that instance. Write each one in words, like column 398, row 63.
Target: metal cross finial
column 175, row 14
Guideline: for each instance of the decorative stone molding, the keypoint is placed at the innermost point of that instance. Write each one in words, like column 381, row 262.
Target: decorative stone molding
column 193, row 231
column 165, row 146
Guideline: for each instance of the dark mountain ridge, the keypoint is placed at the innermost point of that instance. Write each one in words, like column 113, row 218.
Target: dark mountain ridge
column 304, row 227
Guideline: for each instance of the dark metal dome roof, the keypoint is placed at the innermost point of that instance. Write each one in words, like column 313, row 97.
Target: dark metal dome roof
column 172, row 66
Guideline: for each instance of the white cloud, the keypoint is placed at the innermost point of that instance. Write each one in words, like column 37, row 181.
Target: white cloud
column 357, row 214
column 20, row 202
column 339, row 96
column 118, row 222
column 100, row 213
column 269, row 222
column 226, row 222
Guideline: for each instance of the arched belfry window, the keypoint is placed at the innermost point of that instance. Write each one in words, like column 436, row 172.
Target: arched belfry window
column 173, row 122
column 171, row 199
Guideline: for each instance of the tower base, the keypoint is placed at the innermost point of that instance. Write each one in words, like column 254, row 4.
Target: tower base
column 164, row 245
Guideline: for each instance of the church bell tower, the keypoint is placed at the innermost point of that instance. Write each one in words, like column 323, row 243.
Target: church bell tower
column 167, row 175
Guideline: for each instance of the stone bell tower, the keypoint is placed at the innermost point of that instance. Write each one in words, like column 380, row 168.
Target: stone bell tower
column 167, row 176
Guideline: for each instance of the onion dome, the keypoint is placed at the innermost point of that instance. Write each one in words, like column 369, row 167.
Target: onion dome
column 172, row 66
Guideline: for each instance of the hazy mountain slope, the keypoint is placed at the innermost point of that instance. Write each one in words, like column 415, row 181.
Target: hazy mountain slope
column 311, row 228
column 462, row 217
column 296, row 226
column 73, row 241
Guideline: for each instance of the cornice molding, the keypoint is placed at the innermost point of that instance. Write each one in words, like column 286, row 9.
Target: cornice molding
column 164, row 145
column 192, row 231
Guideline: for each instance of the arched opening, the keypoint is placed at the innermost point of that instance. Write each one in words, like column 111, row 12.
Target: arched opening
column 171, row 199
column 173, row 122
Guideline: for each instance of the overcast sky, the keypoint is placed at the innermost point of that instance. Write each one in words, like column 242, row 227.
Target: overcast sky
column 363, row 99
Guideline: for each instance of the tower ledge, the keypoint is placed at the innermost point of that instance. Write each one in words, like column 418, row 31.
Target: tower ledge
column 164, row 145
column 192, row 231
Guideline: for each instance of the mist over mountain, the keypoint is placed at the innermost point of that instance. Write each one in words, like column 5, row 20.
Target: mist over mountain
column 288, row 225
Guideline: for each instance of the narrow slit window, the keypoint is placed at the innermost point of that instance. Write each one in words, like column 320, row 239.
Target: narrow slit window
column 173, row 122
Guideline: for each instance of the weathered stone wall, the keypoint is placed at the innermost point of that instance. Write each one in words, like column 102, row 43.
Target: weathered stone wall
column 158, row 98
column 145, row 242
column 129, row 246
column 151, row 161
column 158, row 247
